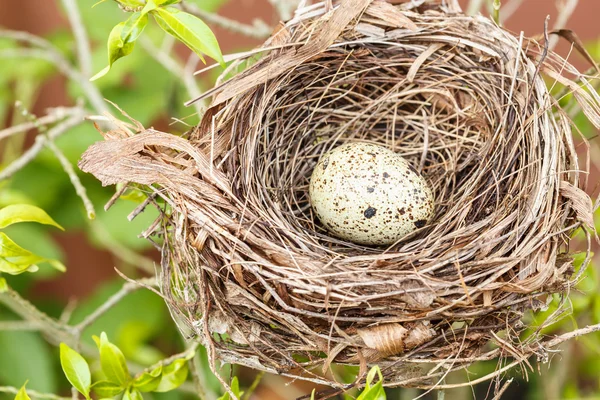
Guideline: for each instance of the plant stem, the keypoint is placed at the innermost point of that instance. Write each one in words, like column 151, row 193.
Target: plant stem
column 81, row 37
column 32, row 393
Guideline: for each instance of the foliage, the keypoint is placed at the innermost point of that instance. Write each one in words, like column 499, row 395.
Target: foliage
column 14, row 259
column 185, row 27
column 116, row 378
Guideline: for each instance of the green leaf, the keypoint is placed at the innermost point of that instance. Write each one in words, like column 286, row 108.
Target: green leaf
column 375, row 392
column 131, row 3
column 190, row 30
column 112, row 361
column 25, row 213
column 3, row 285
column 107, row 389
column 116, row 49
column 173, row 376
column 134, row 26
column 15, row 260
column 132, row 394
column 149, row 380
column 22, row 394
column 235, row 388
column 76, row 369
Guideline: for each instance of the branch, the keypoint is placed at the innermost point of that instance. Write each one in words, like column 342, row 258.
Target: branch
column 285, row 8
column 38, row 145
column 79, row 188
column 54, row 115
column 32, row 393
column 127, row 288
column 175, row 68
column 47, row 51
column 259, row 29
column 562, row 19
column 53, row 329
column 81, row 37
column 19, row 326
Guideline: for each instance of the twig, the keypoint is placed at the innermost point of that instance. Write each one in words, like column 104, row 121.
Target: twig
column 175, row 68
column 201, row 386
column 55, row 330
column 32, row 393
column 285, row 8
column 54, row 115
column 509, row 9
column 48, row 51
column 79, row 188
column 19, row 326
column 248, row 393
column 40, row 142
column 259, row 30
column 474, row 7
column 496, row 11
column 123, row 253
column 562, row 19
column 126, row 289
column 81, row 37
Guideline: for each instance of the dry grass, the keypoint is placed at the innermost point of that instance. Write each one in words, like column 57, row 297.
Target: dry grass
column 249, row 270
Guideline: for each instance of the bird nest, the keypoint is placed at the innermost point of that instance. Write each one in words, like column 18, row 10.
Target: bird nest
column 250, row 271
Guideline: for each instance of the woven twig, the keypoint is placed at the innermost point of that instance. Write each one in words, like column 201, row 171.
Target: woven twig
column 249, row 270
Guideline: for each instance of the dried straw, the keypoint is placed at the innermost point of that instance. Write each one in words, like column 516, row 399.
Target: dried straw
column 249, row 270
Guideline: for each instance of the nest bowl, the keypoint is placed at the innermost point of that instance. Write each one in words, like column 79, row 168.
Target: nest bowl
column 249, row 270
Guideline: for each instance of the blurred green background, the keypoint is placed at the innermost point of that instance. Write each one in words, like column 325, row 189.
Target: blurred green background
column 141, row 325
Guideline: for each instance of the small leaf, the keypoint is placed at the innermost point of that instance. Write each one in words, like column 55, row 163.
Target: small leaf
column 25, row 213
column 15, row 260
column 3, row 285
column 375, row 392
column 190, row 30
column 116, row 49
column 173, row 376
column 132, row 394
column 134, row 26
column 22, row 394
column 112, row 361
column 149, row 380
column 76, row 369
column 107, row 389
column 235, row 388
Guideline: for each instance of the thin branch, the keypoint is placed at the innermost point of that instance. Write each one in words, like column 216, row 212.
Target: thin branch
column 561, row 21
column 79, row 188
column 175, row 68
column 285, row 8
column 81, row 37
column 120, row 251
column 259, row 29
column 55, row 330
column 19, row 326
column 32, row 393
column 53, row 115
column 474, row 7
column 509, row 9
column 38, row 145
column 126, row 289
column 48, row 51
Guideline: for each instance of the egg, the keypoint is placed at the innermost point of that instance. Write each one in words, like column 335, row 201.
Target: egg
column 367, row 194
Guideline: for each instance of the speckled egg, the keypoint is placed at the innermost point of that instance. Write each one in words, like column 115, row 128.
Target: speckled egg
column 368, row 194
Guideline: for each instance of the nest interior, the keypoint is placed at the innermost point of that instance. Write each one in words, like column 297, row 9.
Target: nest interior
column 248, row 268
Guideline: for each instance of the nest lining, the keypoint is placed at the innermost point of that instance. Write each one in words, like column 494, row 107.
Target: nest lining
column 248, row 268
